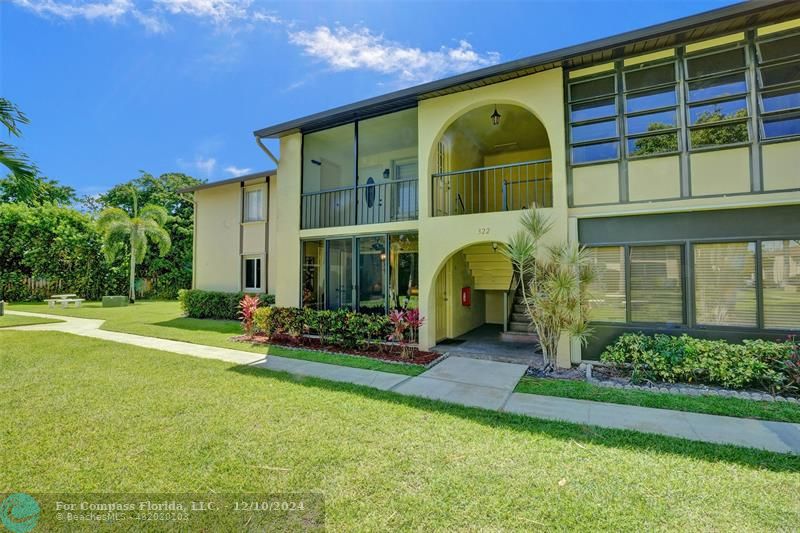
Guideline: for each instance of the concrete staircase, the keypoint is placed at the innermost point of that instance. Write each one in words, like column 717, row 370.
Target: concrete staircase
column 519, row 327
column 490, row 269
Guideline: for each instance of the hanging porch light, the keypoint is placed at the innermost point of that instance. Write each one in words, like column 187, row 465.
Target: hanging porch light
column 495, row 117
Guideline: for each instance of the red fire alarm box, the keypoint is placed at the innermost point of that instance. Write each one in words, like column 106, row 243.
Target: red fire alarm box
column 466, row 296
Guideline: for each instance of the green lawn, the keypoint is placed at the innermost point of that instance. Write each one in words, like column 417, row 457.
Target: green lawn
column 17, row 320
column 714, row 405
column 164, row 319
column 96, row 416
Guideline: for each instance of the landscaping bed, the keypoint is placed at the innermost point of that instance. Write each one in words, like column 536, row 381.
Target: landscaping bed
column 383, row 351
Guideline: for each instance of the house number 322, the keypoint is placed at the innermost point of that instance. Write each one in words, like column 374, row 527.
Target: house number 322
column 483, row 231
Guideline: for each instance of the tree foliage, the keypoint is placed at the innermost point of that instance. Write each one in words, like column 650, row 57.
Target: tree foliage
column 172, row 271
column 35, row 191
column 729, row 133
column 555, row 282
column 11, row 157
column 54, row 244
column 133, row 233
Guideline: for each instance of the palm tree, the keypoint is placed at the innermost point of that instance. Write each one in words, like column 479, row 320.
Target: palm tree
column 120, row 229
column 10, row 157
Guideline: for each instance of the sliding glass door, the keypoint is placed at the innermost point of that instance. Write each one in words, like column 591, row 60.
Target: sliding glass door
column 339, row 274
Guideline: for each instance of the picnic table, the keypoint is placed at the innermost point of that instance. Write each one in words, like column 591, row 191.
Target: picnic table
column 64, row 300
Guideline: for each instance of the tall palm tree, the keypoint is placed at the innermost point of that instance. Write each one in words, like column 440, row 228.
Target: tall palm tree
column 10, row 156
column 120, row 230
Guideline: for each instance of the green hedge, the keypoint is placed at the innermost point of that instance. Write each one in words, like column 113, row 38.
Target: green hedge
column 754, row 363
column 218, row 305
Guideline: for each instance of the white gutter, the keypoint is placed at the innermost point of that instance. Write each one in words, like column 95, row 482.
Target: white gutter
column 266, row 150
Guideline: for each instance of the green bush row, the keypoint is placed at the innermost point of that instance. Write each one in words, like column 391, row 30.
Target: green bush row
column 754, row 363
column 342, row 327
column 212, row 304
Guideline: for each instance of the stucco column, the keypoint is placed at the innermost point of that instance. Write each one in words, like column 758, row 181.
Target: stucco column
column 287, row 262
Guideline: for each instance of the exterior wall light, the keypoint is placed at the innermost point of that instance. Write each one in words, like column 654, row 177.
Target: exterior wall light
column 495, row 117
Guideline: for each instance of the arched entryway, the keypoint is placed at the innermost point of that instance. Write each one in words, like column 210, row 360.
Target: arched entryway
column 494, row 157
column 475, row 314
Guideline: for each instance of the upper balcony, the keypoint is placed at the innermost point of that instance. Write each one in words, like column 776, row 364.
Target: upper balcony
column 493, row 158
column 364, row 172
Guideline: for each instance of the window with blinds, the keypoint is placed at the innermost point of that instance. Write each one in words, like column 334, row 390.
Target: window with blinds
column 656, row 284
column 607, row 290
column 780, row 282
column 725, row 284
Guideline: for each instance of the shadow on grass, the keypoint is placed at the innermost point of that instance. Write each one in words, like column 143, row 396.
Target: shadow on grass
column 202, row 324
column 617, row 438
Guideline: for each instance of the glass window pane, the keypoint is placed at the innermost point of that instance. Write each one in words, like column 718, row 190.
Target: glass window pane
column 329, row 159
column 656, row 284
column 725, row 284
column 653, row 144
column 706, row 113
column 313, row 274
column 647, row 77
column 719, row 135
column 786, row 73
column 782, row 99
column 651, row 99
column 253, row 205
column 606, row 107
column 404, row 271
column 596, row 130
column 607, row 290
column 713, row 63
column 651, row 122
column 595, row 152
column 785, row 47
column 782, row 126
column 781, row 283
column 717, row 87
column 592, row 88
column 252, row 274
column 372, row 274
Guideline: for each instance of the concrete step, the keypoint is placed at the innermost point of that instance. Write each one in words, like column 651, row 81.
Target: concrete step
column 518, row 336
column 522, row 327
column 519, row 317
column 519, row 308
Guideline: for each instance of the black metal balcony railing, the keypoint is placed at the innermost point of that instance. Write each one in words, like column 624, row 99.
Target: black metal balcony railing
column 489, row 189
column 390, row 201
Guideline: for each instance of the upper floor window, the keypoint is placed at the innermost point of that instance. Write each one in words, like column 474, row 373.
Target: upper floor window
column 717, row 95
column 651, row 109
column 594, row 133
column 779, row 83
column 254, row 204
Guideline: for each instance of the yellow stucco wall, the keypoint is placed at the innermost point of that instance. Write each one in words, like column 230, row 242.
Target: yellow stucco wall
column 781, row 164
column 595, row 184
column 217, row 260
column 720, row 172
column 285, row 262
column 654, row 179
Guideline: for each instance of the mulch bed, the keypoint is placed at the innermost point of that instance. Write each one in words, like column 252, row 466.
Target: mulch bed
column 387, row 352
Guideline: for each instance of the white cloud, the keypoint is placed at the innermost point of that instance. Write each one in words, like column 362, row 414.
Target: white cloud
column 111, row 10
column 220, row 11
column 206, row 166
column 359, row 48
column 236, row 171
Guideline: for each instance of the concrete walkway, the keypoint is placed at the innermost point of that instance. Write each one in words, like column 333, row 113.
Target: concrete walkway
column 476, row 383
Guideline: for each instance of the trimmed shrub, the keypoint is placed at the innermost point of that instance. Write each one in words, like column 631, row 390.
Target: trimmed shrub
column 217, row 305
column 754, row 363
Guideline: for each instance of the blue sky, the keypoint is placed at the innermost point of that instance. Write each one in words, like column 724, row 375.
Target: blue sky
column 113, row 87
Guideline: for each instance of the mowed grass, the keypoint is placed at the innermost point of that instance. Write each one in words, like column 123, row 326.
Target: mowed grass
column 96, row 416
column 165, row 320
column 713, row 405
column 7, row 321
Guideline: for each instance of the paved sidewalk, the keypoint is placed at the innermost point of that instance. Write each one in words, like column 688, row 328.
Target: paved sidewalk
column 476, row 383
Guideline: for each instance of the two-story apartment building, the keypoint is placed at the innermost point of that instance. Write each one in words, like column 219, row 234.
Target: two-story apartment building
column 671, row 152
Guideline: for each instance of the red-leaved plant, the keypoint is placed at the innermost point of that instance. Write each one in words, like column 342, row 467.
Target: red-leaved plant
column 405, row 324
column 247, row 307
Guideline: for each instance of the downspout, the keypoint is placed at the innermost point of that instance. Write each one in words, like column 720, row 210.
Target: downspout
column 266, row 150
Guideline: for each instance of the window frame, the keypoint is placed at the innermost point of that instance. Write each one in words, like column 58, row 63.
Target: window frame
column 762, row 90
column 613, row 117
column 261, row 260
column 260, row 188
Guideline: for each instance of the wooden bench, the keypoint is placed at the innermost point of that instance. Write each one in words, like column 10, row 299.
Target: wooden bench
column 51, row 302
